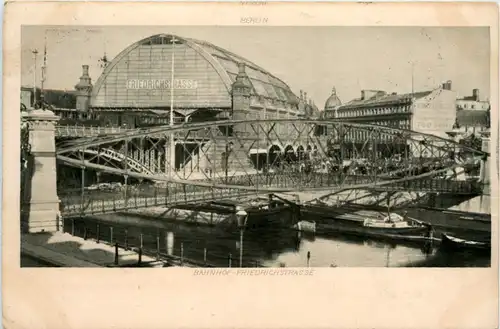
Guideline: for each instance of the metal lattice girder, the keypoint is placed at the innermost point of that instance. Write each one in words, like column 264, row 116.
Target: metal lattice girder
column 271, row 155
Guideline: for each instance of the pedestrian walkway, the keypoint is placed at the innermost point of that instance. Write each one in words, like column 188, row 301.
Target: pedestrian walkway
column 65, row 250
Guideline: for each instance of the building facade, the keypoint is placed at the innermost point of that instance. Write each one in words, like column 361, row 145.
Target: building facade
column 205, row 81
column 473, row 102
column 432, row 112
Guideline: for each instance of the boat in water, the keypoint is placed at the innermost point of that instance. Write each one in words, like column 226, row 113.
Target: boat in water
column 451, row 242
column 389, row 227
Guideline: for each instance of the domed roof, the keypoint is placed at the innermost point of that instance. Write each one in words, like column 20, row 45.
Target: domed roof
column 204, row 74
column 333, row 101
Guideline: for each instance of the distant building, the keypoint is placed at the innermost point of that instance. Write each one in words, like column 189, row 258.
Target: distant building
column 472, row 102
column 473, row 117
column 431, row 112
column 331, row 105
column 306, row 106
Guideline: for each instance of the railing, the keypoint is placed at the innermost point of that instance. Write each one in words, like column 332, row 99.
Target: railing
column 434, row 185
column 87, row 131
column 117, row 203
column 152, row 242
column 204, row 134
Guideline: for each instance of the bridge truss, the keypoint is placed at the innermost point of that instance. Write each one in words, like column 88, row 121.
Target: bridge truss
column 214, row 160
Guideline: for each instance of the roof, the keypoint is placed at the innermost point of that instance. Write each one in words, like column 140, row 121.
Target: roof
column 473, row 118
column 214, row 66
column 468, row 98
column 386, row 99
column 264, row 83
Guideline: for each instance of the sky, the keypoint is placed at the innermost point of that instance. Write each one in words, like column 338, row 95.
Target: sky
column 313, row 59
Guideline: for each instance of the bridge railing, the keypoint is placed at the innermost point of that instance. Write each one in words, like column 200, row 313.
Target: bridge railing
column 437, row 185
column 68, row 130
column 87, row 131
column 96, row 202
column 78, row 202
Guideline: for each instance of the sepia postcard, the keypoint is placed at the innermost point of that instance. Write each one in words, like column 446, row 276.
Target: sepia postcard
column 250, row 164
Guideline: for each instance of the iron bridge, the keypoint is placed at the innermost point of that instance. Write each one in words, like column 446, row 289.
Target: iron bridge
column 198, row 162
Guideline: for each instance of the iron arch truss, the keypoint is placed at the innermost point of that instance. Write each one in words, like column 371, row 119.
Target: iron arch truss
column 254, row 155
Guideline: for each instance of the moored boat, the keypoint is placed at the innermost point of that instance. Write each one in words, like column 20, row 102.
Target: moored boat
column 346, row 212
column 391, row 227
column 454, row 243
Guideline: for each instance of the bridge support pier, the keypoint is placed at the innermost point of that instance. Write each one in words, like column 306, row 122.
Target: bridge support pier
column 40, row 209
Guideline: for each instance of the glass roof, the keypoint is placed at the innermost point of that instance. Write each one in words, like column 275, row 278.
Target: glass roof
column 264, row 83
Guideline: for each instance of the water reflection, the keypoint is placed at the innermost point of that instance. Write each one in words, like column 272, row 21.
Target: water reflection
column 269, row 246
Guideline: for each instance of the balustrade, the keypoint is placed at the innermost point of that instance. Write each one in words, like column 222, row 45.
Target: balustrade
column 174, row 194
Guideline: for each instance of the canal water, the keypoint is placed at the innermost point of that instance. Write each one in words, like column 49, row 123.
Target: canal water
column 266, row 246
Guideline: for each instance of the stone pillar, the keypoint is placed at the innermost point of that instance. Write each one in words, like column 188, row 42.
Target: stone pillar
column 83, row 90
column 241, row 90
column 485, row 163
column 40, row 206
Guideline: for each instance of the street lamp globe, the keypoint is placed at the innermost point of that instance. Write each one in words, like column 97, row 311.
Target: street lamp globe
column 241, row 216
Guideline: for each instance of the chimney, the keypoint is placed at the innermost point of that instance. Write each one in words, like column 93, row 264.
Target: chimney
column 447, row 85
column 301, row 95
column 305, row 97
column 85, row 70
column 367, row 93
column 475, row 94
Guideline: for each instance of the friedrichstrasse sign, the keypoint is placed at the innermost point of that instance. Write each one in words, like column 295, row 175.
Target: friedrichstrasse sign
column 161, row 84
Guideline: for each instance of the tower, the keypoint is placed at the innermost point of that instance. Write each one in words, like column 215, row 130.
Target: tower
column 241, row 90
column 83, row 90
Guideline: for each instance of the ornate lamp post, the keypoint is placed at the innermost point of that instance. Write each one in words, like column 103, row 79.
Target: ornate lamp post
column 241, row 217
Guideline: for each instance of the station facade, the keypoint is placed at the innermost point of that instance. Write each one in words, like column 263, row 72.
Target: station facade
column 200, row 82
column 205, row 81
